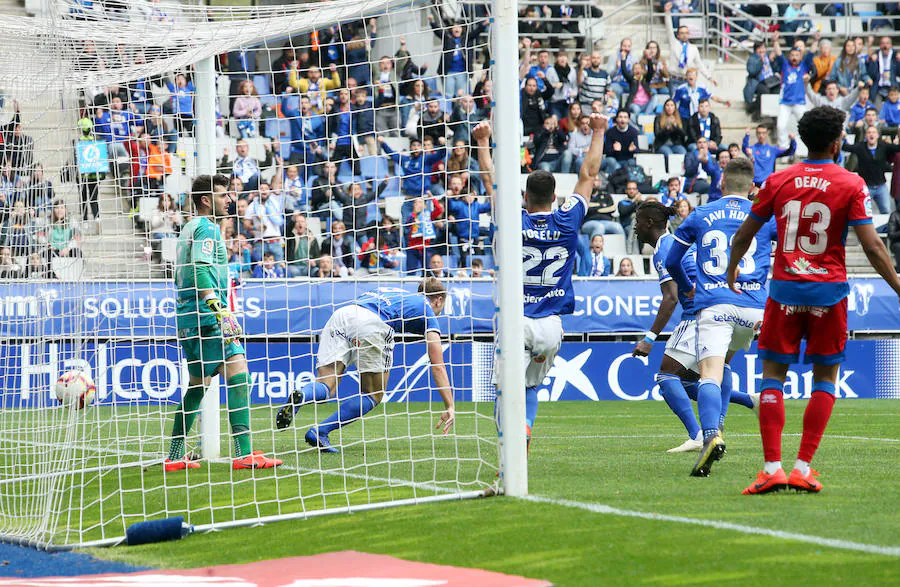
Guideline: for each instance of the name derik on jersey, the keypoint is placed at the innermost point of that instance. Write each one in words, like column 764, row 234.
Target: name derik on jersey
column 808, row 181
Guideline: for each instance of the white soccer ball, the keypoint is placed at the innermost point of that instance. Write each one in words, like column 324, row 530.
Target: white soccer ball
column 75, row 389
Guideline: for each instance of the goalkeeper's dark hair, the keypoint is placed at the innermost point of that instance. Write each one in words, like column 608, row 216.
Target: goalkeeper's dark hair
column 432, row 286
column 204, row 185
column 820, row 127
column 658, row 213
column 541, row 187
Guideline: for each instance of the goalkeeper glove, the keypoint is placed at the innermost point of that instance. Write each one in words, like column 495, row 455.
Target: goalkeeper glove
column 231, row 329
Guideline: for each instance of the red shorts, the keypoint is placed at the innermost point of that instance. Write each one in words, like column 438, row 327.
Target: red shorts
column 824, row 328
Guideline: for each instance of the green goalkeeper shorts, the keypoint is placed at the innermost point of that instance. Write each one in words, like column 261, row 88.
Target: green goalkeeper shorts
column 205, row 349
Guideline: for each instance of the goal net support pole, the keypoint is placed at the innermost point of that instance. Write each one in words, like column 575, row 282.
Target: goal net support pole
column 210, row 423
column 511, row 390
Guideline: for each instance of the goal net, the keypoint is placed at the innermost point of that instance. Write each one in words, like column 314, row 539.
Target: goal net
column 344, row 128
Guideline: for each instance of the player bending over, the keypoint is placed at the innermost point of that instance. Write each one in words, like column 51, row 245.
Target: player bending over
column 677, row 376
column 207, row 330
column 362, row 334
column 813, row 203
column 726, row 321
column 549, row 248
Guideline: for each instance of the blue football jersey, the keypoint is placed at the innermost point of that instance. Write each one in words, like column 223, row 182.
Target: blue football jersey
column 688, row 264
column 712, row 228
column 549, row 248
column 405, row 312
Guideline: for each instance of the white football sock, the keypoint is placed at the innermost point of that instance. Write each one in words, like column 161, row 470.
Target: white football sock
column 771, row 467
column 803, row 467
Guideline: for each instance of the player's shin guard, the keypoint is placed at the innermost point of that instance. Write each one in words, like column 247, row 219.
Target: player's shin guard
column 771, row 418
column 531, row 406
column 351, row 409
column 676, row 397
column 709, row 404
column 239, row 412
column 184, row 420
column 815, row 419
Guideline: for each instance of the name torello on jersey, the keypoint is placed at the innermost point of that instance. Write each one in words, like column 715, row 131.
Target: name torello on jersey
column 405, row 312
column 712, row 228
column 549, row 247
column 688, row 264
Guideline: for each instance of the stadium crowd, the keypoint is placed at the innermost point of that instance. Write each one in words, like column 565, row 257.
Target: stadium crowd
column 352, row 130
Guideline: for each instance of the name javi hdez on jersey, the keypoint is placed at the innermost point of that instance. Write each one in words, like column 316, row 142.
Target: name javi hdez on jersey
column 712, row 228
column 549, row 248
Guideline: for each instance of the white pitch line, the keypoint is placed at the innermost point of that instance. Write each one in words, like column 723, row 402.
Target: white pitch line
column 741, row 435
column 599, row 508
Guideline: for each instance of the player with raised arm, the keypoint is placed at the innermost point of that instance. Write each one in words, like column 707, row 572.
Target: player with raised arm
column 549, row 248
column 362, row 333
column 726, row 321
column 207, row 331
column 814, row 203
column 678, row 371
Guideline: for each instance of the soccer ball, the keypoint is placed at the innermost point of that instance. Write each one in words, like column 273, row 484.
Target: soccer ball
column 75, row 389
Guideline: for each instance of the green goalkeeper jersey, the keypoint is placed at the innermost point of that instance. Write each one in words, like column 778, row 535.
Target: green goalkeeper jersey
column 200, row 246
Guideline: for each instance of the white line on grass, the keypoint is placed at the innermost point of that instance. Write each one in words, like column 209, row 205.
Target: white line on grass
column 742, row 435
column 599, row 508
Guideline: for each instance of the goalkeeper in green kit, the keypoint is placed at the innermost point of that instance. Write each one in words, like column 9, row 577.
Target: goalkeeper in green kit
column 207, row 331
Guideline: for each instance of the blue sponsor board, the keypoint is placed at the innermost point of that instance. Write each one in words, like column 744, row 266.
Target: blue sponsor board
column 153, row 372
column 285, row 308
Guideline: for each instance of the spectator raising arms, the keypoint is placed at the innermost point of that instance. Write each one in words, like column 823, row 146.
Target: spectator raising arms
column 872, row 156
column 564, row 80
column 457, row 55
column 684, row 55
column 640, row 94
column 763, row 154
column 313, row 85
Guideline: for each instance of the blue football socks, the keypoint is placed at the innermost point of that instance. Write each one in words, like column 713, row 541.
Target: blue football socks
column 314, row 391
column 678, row 401
column 709, row 402
column 531, row 405
column 350, row 409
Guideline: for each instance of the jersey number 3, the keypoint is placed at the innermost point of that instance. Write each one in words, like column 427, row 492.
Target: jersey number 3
column 533, row 256
column 820, row 217
column 717, row 245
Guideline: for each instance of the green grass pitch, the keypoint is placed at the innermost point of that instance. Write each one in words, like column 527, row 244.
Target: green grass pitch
column 613, row 453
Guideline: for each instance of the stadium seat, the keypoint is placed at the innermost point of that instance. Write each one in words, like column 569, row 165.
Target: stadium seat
column 392, row 189
column 168, row 248
column 769, row 104
column 565, row 184
column 68, row 268
column 614, row 245
column 374, row 167
column 146, row 206
column 257, row 146
column 314, row 226
column 676, row 165
column 393, row 206
column 223, row 143
column 654, row 165
column 643, row 142
column 397, row 143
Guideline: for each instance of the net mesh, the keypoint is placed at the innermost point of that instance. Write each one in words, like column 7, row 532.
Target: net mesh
column 322, row 111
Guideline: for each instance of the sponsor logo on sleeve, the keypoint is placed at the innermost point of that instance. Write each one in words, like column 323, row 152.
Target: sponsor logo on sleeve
column 207, row 246
column 569, row 204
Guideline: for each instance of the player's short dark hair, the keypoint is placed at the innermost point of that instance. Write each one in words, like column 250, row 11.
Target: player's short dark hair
column 738, row 177
column 432, row 286
column 820, row 127
column 541, row 187
column 204, row 185
column 658, row 213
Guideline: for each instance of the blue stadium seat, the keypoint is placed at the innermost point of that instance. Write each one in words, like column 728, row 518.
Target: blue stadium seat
column 392, row 188
column 374, row 167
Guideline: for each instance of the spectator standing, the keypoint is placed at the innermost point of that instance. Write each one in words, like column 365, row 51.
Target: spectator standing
column 890, row 112
column 693, row 183
column 858, row 110
column 550, row 147
column 464, row 118
column 685, row 56
column 17, row 232
column 620, row 65
column 313, row 85
column 714, row 169
column 640, row 94
column 182, row 102
column 564, row 80
column 267, row 212
column 356, row 214
column 302, row 248
column 166, row 220
column 327, row 197
column 457, row 54
column 572, row 121
column 761, row 78
column 247, row 109
column 832, row 96
column 420, row 230
column 872, row 161
column 387, row 98
column 795, row 71
column 627, row 207
column 245, row 167
column 577, row 146
column 413, row 165
column 593, row 80
column 823, row 62
column 597, row 263
column 599, row 216
column 342, row 248
column 307, row 130
column 655, row 67
column 39, row 194
column 883, row 68
column 357, row 54
column 704, row 124
column 763, row 154
column 417, row 93
column 339, row 129
column 668, row 128
column 850, row 69
column 88, row 183
column 689, row 95
column 621, row 143
column 430, row 123
column 533, row 106
column 364, row 121
column 464, row 218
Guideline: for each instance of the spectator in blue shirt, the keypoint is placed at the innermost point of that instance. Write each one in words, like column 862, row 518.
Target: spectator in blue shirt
column 795, row 71
column 268, row 269
column 338, row 127
column 364, row 120
column 714, row 169
column 413, row 165
column 307, row 129
column 858, row 110
column 464, row 212
column 182, row 102
column 890, row 111
column 457, row 55
column 672, row 192
column 689, row 95
column 763, row 154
